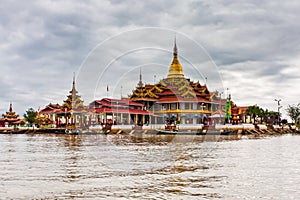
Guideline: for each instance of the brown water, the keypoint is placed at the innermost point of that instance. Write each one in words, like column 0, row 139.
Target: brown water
column 149, row 167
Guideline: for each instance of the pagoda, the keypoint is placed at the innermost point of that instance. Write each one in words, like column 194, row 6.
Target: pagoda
column 9, row 118
column 177, row 99
column 73, row 101
column 72, row 110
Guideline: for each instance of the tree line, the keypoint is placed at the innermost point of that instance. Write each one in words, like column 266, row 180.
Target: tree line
column 260, row 115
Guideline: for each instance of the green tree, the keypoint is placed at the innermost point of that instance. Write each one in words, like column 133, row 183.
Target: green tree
column 293, row 111
column 30, row 116
column 272, row 116
column 253, row 112
column 266, row 115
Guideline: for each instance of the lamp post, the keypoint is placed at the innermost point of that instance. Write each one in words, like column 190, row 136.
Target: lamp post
column 278, row 107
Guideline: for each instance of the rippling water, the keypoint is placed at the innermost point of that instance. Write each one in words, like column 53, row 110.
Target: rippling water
column 149, row 167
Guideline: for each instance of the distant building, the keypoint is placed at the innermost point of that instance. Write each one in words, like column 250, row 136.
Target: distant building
column 70, row 114
column 10, row 118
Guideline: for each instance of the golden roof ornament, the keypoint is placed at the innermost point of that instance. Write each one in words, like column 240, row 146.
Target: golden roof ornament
column 175, row 69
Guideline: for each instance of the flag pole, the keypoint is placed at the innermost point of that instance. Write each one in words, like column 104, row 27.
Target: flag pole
column 107, row 90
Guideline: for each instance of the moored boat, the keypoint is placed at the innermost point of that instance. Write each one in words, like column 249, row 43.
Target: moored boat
column 177, row 132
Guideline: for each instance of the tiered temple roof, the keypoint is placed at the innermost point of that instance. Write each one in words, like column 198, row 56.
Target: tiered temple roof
column 73, row 100
column 10, row 114
column 51, row 108
column 10, row 118
column 108, row 105
column 176, row 87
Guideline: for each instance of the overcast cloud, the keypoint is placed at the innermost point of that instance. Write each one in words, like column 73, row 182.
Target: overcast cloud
column 255, row 46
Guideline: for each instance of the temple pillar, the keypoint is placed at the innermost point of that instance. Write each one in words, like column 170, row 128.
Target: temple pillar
column 195, row 119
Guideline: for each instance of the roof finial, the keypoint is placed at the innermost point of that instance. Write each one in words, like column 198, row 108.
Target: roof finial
column 140, row 84
column 175, row 47
column 10, row 107
column 73, row 81
column 73, row 91
column 73, row 78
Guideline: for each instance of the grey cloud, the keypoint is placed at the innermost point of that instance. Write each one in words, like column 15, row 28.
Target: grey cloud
column 43, row 42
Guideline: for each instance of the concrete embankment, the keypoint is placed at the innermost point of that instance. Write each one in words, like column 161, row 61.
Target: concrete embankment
column 241, row 129
column 30, row 130
column 248, row 129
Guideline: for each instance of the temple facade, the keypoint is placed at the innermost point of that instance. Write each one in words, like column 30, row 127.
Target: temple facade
column 118, row 112
column 177, row 99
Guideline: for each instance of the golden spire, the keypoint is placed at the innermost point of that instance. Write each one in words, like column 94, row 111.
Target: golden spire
column 10, row 107
column 73, row 91
column 175, row 69
column 140, row 84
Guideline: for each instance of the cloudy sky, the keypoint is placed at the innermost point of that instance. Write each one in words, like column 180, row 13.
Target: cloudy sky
column 250, row 47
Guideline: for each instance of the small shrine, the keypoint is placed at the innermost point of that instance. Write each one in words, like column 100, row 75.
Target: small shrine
column 10, row 118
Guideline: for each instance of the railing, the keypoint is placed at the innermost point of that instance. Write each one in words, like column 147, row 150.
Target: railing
column 190, row 111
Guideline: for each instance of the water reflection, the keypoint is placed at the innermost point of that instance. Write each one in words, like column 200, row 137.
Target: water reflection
column 154, row 167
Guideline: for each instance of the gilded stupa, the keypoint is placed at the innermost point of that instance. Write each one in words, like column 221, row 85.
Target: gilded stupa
column 175, row 70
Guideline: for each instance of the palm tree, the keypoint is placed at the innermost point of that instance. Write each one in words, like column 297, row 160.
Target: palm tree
column 253, row 112
column 262, row 114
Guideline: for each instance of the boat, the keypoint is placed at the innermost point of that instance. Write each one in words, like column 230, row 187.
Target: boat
column 177, row 132
column 192, row 132
column 83, row 132
column 14, row 131
column 72, row 131
column 217, row 132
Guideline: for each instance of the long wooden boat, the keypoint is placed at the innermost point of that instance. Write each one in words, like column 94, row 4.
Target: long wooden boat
column 191, row 132
column 81, row 132
column 14, row 132
column 177, row 132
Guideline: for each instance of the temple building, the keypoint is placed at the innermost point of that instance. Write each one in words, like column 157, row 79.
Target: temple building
column 173, row 100
column 177, row 99
column 10, row 118
column 70, row 114
column 118, row 111
column 47, row 116
column 73, row 109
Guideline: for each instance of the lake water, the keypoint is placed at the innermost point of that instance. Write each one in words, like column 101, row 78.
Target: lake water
column 53, row 166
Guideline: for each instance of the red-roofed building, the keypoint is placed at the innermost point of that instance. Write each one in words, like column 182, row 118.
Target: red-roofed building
column 118, row 111
column 176, row 99
column 10, row 118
